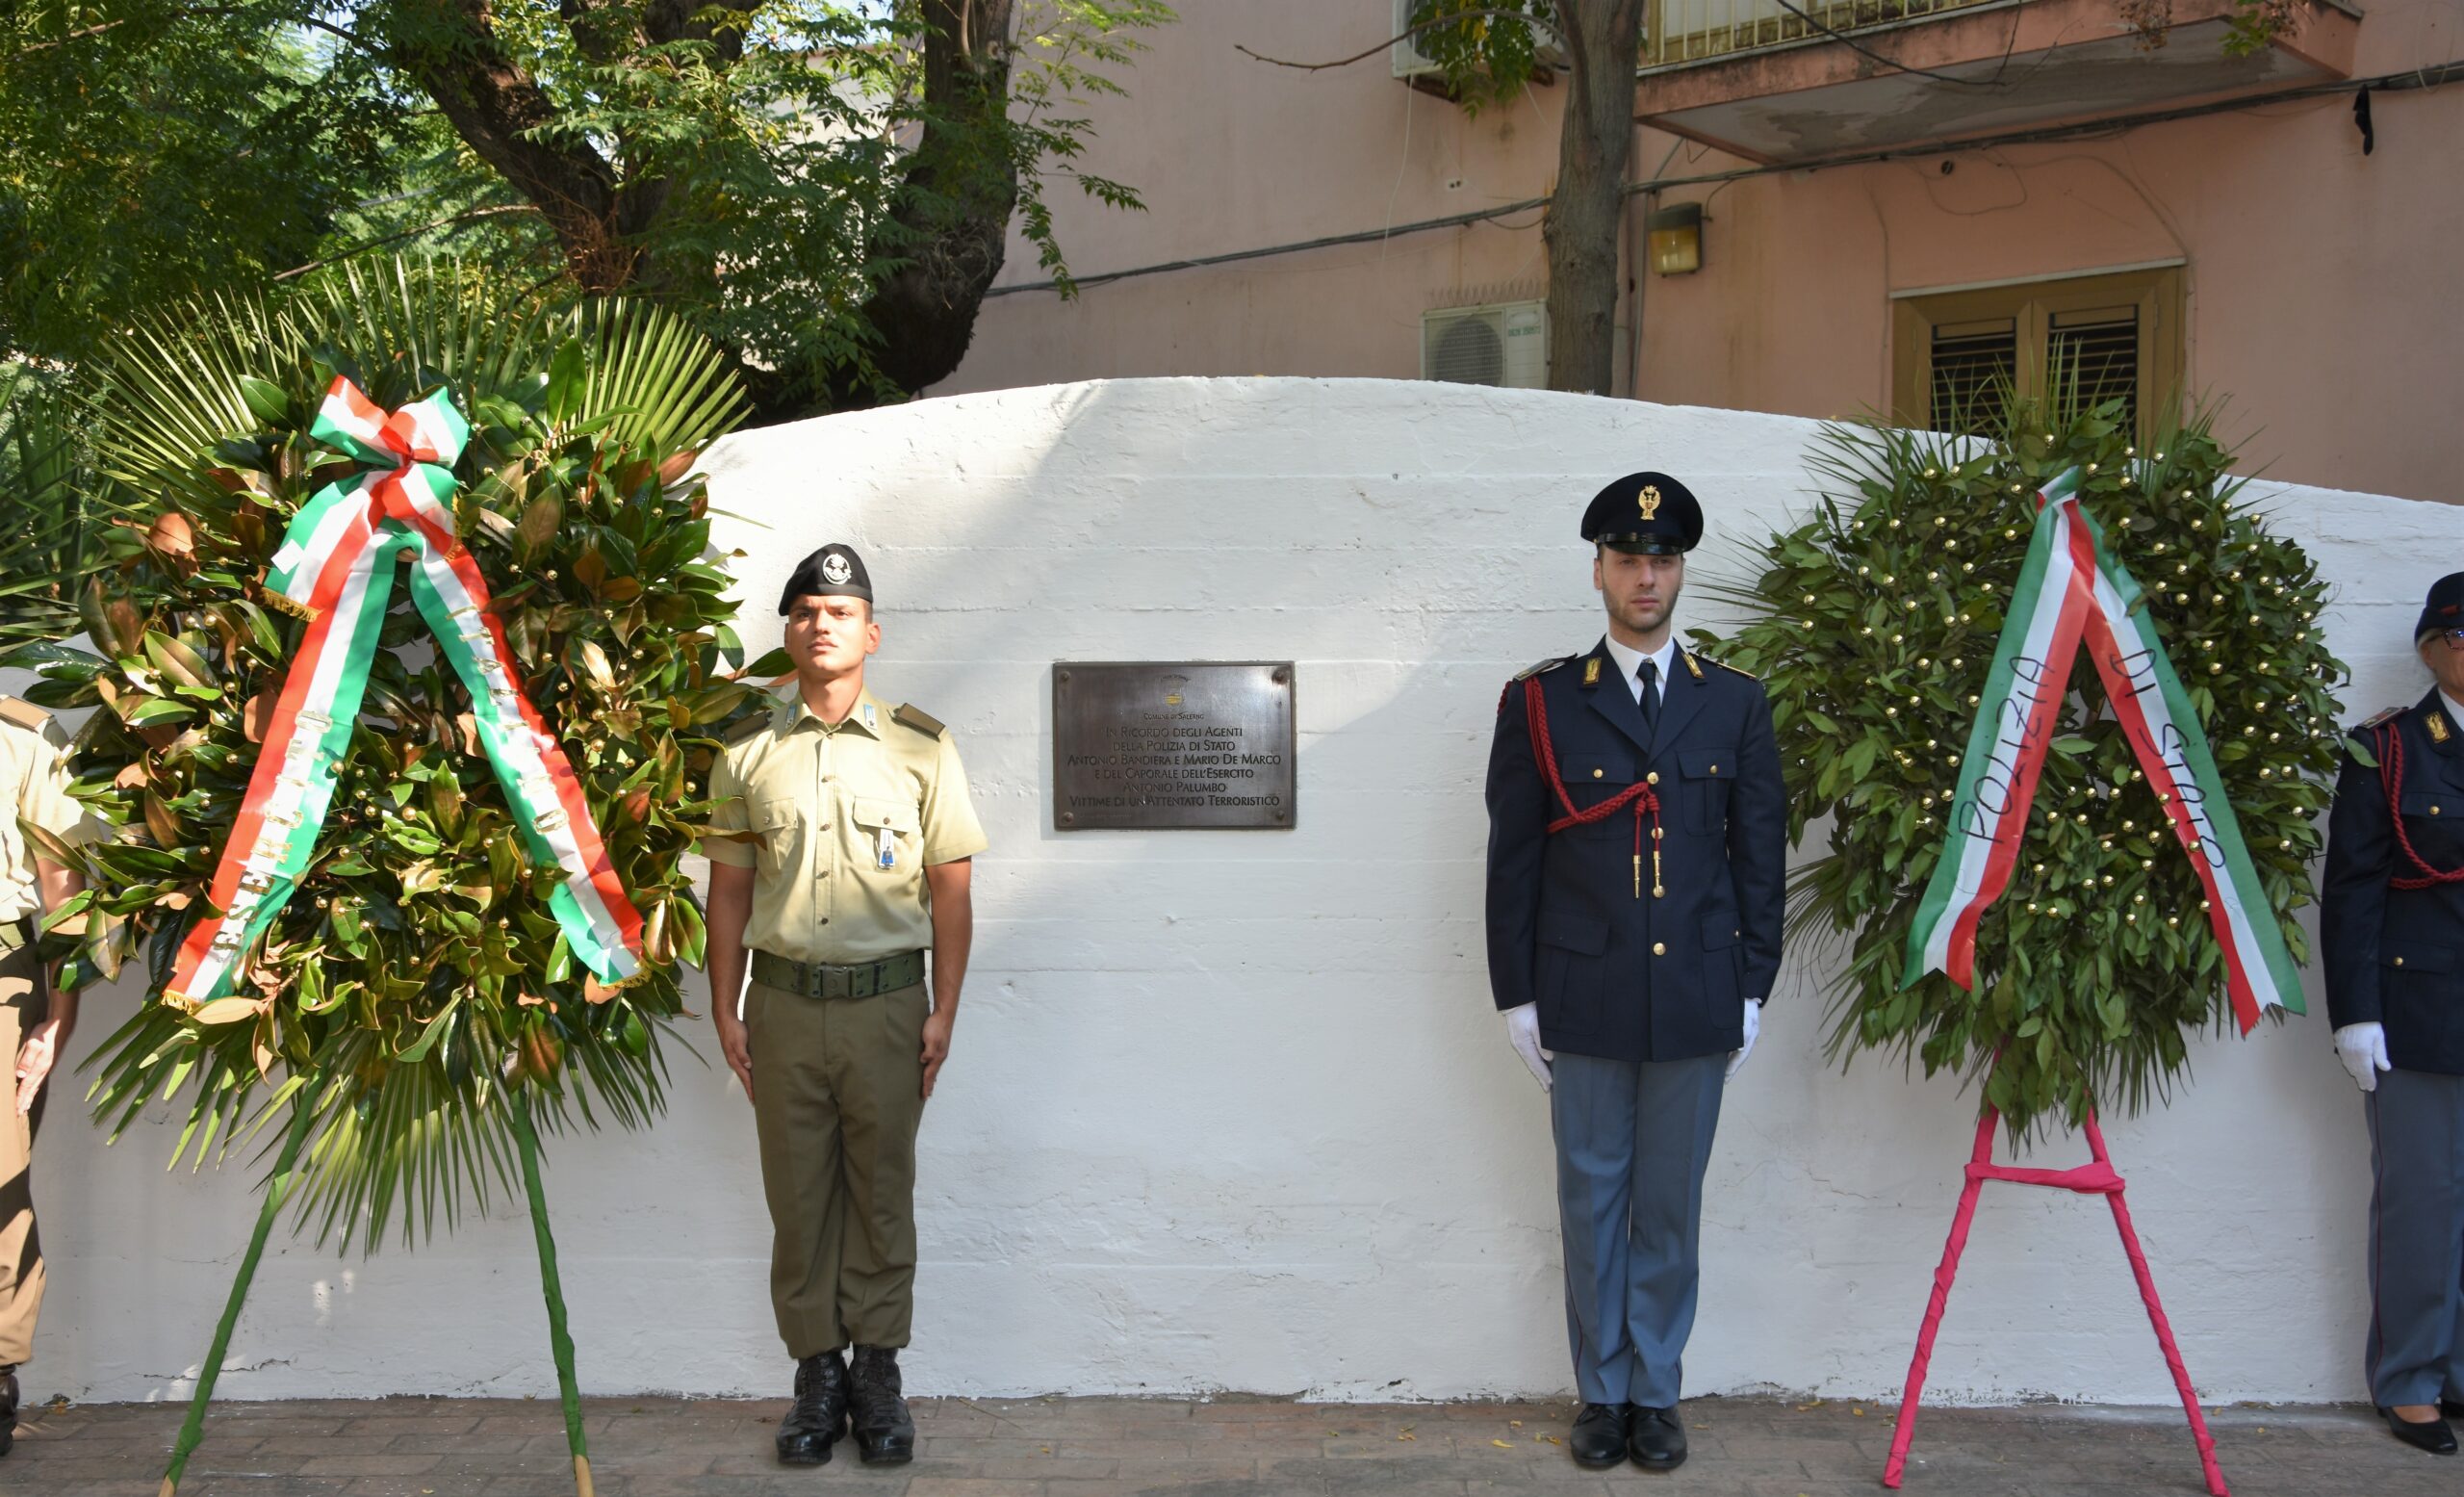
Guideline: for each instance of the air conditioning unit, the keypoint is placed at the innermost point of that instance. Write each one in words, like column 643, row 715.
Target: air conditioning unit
column 1410, row 62
column 1503, row 344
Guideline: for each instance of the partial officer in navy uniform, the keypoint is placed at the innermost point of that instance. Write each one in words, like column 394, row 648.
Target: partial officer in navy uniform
column 2392, row 927
column 1638, row 855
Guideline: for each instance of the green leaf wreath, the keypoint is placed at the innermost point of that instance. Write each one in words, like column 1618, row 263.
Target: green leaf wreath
column 416, row 973
column 1876, row 622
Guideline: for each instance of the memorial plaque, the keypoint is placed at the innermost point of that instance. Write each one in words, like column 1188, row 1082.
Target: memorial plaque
column 1171, row 744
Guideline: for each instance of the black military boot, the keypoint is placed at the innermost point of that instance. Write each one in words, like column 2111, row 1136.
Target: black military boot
column 7, row 1408
column 819, row 1416
column 884, row 1434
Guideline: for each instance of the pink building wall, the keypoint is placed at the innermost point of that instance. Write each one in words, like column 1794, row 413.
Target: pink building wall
column 2325, row 290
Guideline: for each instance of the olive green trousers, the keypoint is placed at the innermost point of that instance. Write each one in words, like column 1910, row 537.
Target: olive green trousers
column 837, row 1092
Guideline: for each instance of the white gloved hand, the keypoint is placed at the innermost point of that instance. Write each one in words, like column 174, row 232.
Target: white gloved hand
column 1523, row 1028
column 1753, row 1027
column 2363, row 1049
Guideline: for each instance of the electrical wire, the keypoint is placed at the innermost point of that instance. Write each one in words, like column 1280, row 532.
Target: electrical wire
column 2435, row 75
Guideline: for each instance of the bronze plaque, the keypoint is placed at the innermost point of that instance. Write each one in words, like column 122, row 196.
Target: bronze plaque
column 1171, row 744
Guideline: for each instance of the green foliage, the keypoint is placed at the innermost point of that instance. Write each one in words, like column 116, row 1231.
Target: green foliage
column 745, row 165
column 417, row 972
column 1878, row 620
column 52, row 526
column 158, row 148
column 1489, row 49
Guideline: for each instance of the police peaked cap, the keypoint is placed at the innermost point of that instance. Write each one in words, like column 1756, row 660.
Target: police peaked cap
column 835, row 571
column 1649, row 514
column 2444, row 609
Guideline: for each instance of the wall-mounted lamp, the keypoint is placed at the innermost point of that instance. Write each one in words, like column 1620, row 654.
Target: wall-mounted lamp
column 1676, row 239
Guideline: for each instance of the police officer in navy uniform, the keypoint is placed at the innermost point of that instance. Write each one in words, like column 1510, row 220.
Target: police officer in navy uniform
column 2392, row 927
column 1638, row 855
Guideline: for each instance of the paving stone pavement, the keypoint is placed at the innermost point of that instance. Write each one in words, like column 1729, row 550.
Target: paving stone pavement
column 1096, row 1447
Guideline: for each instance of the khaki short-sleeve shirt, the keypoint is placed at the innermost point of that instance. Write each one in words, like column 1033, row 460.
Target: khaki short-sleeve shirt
column 33, row 789
column 838, row 823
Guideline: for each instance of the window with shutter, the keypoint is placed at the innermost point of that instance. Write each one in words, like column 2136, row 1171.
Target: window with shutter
column 2081, row 339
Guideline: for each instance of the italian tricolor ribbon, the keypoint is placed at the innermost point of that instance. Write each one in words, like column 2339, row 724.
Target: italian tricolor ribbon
column 335, row 569
column 2072, row 588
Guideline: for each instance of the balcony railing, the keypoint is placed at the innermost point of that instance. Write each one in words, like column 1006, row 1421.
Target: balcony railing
column 1677, row 32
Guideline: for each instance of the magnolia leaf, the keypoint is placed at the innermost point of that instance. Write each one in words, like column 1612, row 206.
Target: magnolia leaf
column 266, row 400
column 594, row 666
column 540, row 520
column 228, row 1011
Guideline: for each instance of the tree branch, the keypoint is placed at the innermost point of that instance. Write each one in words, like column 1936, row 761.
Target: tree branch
column 379, row 243
column 1431, row 24
column 501, row 111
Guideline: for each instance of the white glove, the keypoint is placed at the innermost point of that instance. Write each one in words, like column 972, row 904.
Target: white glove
column 1753, row 1027
column 1523, row 1027
column 2363, row 1049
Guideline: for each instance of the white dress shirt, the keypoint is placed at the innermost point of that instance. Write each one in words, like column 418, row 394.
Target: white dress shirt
column 1629, row 664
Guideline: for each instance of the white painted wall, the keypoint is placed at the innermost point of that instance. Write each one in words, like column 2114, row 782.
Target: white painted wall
column 1231, row 1110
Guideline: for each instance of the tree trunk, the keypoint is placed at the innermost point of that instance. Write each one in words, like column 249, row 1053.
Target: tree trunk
column 1604, row 46
column 950, row 228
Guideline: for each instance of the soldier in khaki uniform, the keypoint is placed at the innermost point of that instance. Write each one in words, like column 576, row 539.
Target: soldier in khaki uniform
column 35, row 1022
column 846, row 835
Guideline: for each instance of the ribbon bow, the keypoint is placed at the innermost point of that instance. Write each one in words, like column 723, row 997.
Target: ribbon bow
column 335, row 570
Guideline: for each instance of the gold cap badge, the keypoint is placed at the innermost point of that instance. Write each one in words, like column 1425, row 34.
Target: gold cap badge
column 1650, row 500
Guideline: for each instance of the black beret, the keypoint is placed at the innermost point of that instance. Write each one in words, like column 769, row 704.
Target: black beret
column 1646, row 513
column 835, row 571
column 2444, row 609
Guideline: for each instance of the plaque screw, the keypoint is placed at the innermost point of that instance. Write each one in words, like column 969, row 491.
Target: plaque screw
column 1282, row 674
column 1069, row 816
column 1064, row 678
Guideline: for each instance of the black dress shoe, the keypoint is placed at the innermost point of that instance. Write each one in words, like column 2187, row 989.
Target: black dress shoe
column 1658, row 1441
column 1598, row 1439
column 884, row 1434
column 820, row 1412
column 7, row 1408
column 2431, row 1434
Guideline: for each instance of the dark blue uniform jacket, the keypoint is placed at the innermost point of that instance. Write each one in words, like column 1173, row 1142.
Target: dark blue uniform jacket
column 2396, row 956
column 1616, row 976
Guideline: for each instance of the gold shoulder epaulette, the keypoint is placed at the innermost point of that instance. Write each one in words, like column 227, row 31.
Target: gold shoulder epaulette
column 748, row 727
column 908, row 714
column 1549, row 665
column 2379, row 721
column 25, row 714
column 1739, row 669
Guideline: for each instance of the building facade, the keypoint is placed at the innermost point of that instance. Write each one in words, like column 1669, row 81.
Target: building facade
column 1893, row 202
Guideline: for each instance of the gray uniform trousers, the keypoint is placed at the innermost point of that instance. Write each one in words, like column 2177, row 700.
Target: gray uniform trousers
column 1634, row 1139
column 2415, row 1351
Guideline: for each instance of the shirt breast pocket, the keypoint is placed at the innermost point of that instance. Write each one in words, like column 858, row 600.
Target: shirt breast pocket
column 892, row 832
column 778, row 832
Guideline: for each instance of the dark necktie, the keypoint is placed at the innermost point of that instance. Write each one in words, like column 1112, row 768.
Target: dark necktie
column 1649, row 676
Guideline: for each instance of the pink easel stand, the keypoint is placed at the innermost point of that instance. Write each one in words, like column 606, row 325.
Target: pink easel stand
column 2095, row 1179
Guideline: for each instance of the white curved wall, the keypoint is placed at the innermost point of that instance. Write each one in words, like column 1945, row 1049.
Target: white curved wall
column 1231, row 1110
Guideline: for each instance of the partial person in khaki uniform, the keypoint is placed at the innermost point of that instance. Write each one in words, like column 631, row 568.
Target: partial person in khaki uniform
column 845, row 834
column 35, row 1022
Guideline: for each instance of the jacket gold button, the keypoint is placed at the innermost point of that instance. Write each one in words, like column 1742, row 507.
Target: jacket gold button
column 1715, row 769
column 1596, row 773
column 2400, row 960
column 1652, row 778
column 2433, row 811
column 1658, row 949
